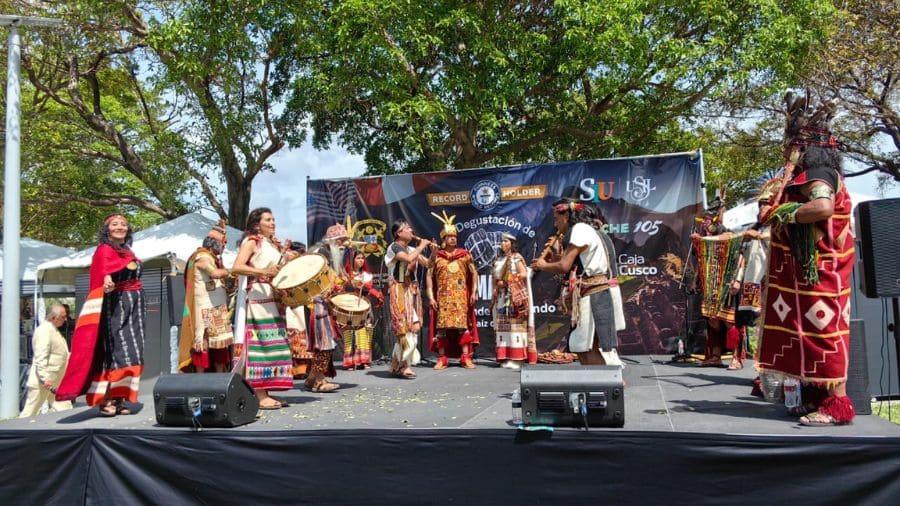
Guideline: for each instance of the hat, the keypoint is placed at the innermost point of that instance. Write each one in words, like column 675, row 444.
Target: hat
column 218, row 231
column 808, row 124
column 449, row 228
column 507, row 235
column 336, row 231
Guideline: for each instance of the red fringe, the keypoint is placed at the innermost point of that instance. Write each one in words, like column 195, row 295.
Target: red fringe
column 839, row 408
column 732, row 338
column 757, row 389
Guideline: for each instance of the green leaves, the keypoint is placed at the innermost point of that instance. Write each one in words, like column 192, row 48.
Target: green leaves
column 428, row 86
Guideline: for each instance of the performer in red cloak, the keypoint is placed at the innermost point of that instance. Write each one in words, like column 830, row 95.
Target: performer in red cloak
column 806, row 334
column 108, row 345
column 451, row 288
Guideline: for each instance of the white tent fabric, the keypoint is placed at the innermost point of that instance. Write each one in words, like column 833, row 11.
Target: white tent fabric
column 33, row 253
column 175, row 239
column 744, row 215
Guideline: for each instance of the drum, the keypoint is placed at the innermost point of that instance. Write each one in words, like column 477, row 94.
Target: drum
column 303, row 278
column 349, row 310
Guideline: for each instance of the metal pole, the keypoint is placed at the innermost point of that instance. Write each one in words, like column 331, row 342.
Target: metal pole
column 9, row 321
column 702, row 179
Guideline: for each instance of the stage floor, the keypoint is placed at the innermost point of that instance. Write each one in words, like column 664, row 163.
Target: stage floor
column 659, row 397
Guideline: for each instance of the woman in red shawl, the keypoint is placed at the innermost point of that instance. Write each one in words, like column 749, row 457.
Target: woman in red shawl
column 108, row 346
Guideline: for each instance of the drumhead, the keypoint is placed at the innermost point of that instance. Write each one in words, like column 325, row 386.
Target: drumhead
column 298, row 270
column 350, row 302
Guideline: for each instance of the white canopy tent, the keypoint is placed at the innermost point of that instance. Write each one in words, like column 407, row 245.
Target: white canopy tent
column 31, row 254
column 169, row 243
column 744, row 215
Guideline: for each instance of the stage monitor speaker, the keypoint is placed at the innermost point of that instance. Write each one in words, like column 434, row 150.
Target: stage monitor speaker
column 858, row 369
column 554, row 395
column 877, row 230
column 204, row 400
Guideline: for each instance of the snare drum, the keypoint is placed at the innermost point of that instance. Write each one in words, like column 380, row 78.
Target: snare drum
column 349, row 310
column 303, row 278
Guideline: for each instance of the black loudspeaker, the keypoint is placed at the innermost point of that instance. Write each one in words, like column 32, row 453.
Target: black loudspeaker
column 204, row 400
column 877, row 229
column 858, row 370
column 554, row 395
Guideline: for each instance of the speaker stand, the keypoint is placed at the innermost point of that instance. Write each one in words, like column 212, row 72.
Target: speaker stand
column 895, row 328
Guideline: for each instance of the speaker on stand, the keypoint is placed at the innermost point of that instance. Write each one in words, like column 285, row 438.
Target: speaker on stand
column 879, row 244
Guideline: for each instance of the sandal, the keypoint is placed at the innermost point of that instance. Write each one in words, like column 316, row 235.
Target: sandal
column 284, row 404
column 121, row 408
column 325, row 387
column 270, row 405
column 735, row 365
column 442, row 363
column 712, row 362
column 405, row 375
column 803, row 409
column 819, row 419
column 108, row 410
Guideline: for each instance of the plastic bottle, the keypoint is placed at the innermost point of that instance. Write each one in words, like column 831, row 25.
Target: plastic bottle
column 516, row 407
column 792, row 393
column 680, row 348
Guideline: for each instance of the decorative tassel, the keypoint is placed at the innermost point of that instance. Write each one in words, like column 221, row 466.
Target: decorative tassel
column 839, row 408
column 802, row 240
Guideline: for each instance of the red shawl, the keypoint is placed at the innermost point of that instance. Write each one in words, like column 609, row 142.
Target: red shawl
column 86, row 358
column 806, row 331
column 453, row 348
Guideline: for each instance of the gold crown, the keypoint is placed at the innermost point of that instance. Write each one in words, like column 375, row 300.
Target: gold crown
column 448, row 227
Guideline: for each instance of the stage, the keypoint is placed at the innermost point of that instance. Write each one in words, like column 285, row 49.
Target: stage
column 446, row 436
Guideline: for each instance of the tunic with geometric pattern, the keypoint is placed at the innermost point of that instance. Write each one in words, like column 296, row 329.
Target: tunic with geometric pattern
column 806, row 332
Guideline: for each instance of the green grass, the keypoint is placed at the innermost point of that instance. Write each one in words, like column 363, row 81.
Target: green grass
column 889, row 410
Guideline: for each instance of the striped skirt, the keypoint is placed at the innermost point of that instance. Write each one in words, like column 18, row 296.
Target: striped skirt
column 122, row 334
column 268, row 350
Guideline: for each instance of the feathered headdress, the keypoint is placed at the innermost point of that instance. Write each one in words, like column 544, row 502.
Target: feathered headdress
column 807, row 124
column 449, row 228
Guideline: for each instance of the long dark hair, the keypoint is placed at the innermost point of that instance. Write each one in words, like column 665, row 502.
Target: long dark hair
column 585, row 212
column 103, row 234
column 253, row 219
column 818, row 156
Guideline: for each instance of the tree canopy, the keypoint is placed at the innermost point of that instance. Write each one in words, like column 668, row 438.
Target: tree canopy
column 163, row 107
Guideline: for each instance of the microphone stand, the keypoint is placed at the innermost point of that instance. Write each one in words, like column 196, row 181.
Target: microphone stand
column 685, row 356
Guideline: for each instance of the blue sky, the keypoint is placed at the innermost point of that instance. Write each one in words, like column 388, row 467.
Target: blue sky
column 284, row 191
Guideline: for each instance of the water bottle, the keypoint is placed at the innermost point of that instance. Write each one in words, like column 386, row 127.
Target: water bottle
column 516, row 407
column 680, row 348
column 792, row 393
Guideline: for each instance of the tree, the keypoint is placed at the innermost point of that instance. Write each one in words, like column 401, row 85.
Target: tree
column 200, row 74
column 450, row 84
column 860, row 67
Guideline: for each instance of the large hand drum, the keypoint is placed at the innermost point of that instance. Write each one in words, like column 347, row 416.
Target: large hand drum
column 349, row 310
column 303, row 278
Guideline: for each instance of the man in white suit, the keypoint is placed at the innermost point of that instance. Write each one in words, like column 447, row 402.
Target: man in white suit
column 51, row 354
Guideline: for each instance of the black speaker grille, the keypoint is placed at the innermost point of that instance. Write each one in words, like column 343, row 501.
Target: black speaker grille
column 551, row 402
column 878, row 225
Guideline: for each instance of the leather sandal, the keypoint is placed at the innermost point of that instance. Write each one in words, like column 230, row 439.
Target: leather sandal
column 121, row 408
column 442, row 363
column 108, row 410
column 466, row 361
column 819, row 419
column 325, row 387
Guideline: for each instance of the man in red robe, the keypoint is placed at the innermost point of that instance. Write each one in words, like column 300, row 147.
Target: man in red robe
column 806, row 334
column 451, row 289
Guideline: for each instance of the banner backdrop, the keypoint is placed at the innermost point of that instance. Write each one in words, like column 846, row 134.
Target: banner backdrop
column 648, row 204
